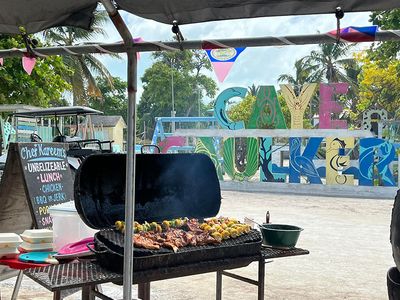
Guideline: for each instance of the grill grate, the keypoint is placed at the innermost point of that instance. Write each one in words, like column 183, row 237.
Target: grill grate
column 110, row 248
column 270, row 252
column 55, row 277
column 114, row 239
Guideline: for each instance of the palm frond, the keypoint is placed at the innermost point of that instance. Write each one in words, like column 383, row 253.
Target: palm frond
column 286, row 77
column 91, row 87
column 98, row 68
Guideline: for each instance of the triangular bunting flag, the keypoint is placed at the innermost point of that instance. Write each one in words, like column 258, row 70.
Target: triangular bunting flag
column 222, row 60
column 356, row 34
column 28, row 63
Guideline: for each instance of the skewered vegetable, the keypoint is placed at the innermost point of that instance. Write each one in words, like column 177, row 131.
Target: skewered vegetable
column 225, row 227
column 218, row 228
column 153, row 226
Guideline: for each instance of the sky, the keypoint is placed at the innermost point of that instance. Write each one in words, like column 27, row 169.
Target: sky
column 258, row 66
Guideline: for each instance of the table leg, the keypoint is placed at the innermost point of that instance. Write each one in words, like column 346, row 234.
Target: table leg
column 219, row 286
column 87, row 292
column 57, row 295
column 144, row 291
column 261, row 279
column 17, row 285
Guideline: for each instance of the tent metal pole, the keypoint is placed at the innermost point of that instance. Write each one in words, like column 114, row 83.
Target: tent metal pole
column 266, row 41
column 131, row 141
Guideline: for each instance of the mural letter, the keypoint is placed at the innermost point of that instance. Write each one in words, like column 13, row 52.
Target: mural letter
column 336, row 161
column 297, row 104
column 303, row 164
column 251, row 159
column 266, row 173
column 267, row 112
column 220, row 107
column 328, row 105
column 375, row 158
column 372, row 117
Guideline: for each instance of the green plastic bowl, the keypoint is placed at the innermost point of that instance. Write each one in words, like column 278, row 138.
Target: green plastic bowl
column 280, row 235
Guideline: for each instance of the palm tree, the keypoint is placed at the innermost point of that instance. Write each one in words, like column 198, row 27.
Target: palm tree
column 253, row 90
column 303, row 71
column 85, row 67
column 329, row 64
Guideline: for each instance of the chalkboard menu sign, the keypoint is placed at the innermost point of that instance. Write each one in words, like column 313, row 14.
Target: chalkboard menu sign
column 48, row 178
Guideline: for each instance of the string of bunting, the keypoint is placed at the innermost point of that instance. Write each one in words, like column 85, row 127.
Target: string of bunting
column 349, row 34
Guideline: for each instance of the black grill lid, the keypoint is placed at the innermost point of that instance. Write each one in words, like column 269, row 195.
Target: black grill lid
column 167, row 186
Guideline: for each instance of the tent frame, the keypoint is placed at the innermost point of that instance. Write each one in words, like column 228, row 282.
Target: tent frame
column 131, row 142
column 128, row 46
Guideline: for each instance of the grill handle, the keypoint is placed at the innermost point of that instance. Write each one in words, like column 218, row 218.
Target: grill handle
column 89, row 246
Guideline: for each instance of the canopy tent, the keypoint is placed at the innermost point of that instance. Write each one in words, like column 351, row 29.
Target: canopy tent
column 44, row 14
column 49, row 13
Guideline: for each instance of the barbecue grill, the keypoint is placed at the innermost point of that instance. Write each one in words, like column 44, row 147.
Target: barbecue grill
column 168, row 186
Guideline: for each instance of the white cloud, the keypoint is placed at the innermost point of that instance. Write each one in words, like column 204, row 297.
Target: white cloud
column 259, row 66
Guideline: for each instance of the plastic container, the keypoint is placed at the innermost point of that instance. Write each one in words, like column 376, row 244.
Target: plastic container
column 37, row 236
column 28, row 247
column 9, row 240
column 10, row 252
column 280, row 235
column 67, row 225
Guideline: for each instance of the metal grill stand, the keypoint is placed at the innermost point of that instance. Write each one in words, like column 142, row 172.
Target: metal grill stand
column 88, row 275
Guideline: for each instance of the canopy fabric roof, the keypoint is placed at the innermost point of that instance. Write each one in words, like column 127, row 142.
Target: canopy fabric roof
column 194, row 11
column 38, row 15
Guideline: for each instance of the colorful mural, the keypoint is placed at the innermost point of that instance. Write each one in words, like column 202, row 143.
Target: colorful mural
column 314, row 160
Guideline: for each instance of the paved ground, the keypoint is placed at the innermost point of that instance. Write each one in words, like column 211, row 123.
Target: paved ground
column 348, row 240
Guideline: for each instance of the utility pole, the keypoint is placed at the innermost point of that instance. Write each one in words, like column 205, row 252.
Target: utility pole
column 172, row 96
column 198, row 99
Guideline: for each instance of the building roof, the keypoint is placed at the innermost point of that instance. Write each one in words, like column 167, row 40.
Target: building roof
column 17, row 107
column 58, row 111
column 106, row 121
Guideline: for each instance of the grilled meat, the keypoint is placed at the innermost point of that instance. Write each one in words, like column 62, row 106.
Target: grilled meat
column 170, row 245
column 144, row 242
column 178, row 233
column 174, row 239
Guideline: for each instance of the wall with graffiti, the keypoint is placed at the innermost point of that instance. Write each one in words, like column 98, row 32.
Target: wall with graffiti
column 332, row 160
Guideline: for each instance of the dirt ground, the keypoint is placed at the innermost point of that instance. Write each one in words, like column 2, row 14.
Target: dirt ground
column 349, row 246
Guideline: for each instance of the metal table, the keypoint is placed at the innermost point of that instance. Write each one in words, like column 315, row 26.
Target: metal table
column 87, row 275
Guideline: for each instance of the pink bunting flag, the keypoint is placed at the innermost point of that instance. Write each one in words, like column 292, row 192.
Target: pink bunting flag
column 222, row 69
column 138, row 40
column 28, row 63
column 222, row 60
column 1, row 61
